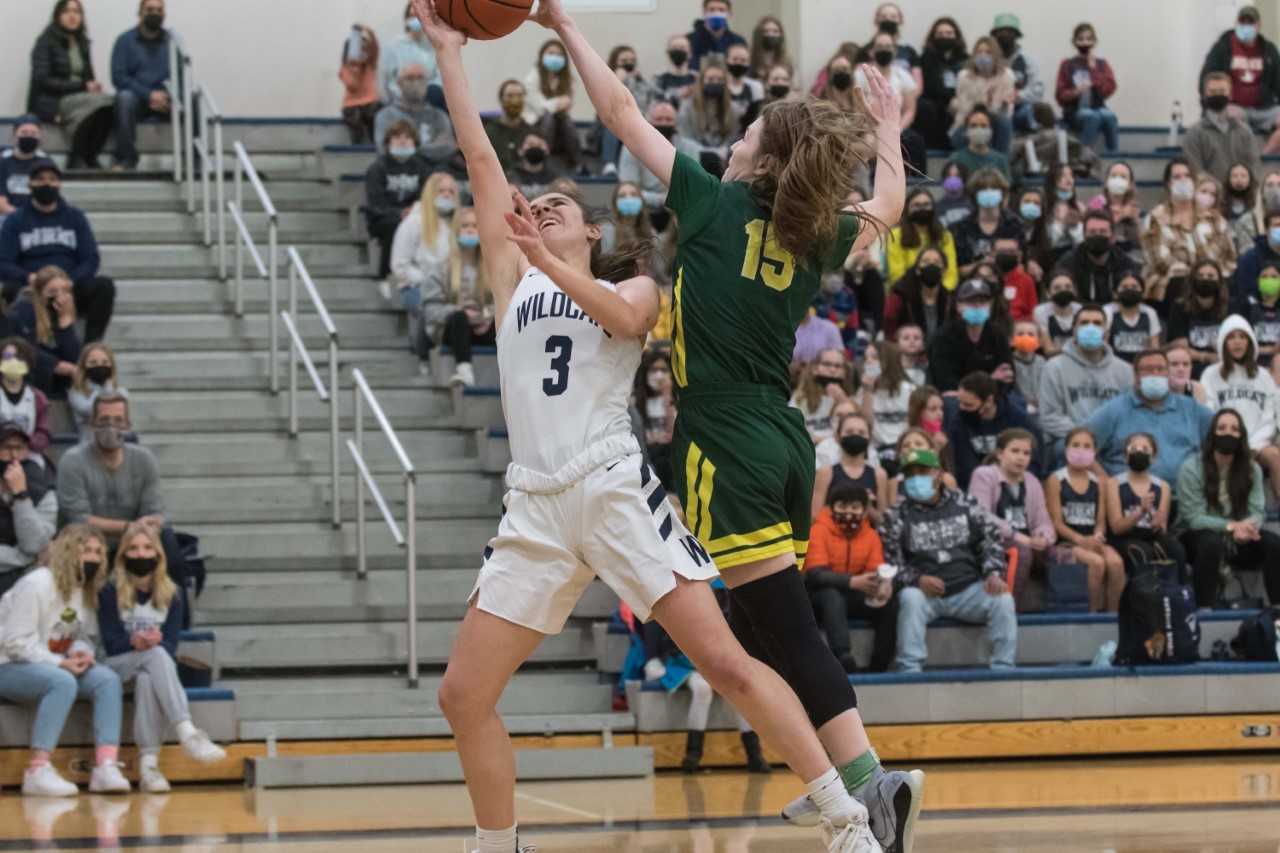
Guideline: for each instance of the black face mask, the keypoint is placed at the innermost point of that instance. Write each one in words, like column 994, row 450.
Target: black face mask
column 1216, row 103
column 667, row 130
column 1063, row 298
column 738, row 70
column 971, row 417
column 90, row 570
column 1006, row 262
column 854, row 445
column 1129, row 297
column 628, row 67
column 824, row 381
column 1139, row 460
column 154, row 23
column 28, row 144
column 883, row 57
column 921, row 216
column 45, row 195
column 1205, row 287
column 1097, row 244
column 535, row 156
column 711, row 91
column 847, row 520
column 140, row 567
column 842, row 80
column 678, row 57
column 944, row 45
column 889, row 28
column 930, row 275
column 771, row 42
column 1008, row 44
column 1177, row 285
column 1227, row 445
column 1084, row 49
column 98, row 374
column 779, row 91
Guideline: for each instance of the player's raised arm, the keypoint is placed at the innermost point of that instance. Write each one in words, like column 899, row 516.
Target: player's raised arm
column 503, row 261
column 885, row 106
column 612, row 100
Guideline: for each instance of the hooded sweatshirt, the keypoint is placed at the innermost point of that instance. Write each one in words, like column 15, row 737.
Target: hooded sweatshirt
column 1254, row 398
column 1073, row 388
column 834, row 555
column 32, row 239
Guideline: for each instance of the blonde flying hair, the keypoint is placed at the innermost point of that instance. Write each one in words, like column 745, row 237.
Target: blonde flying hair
column 64, row 562
column 79, row 381
column 163, row 589
column 44, row 320
column 427, row 203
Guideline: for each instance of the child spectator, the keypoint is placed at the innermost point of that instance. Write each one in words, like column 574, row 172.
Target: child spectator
column 1028, row 364
column 676, row 83
column 922, row 438
column 359, row 76
column 974, row 149
column 1056, row 316
column 854, row 467
column 840, row 572
column 708, row 119
column 95, row 374
column 1180, row 382
column 1077, row 505
column 941, row 62
column 16, row 163
column 1195, row 319
column 141, row 614
column 976, row 236
column 920, row 229
column 422, row 241
column 886, row 397
column 769, row 49
column 47, row 319
column 1238, row 383
column 986, row 83
column 507, row 131
column 711, row 36
column 1085, row 82
column 28, row 505
column 19, row 401
column 391, row 185
column 549, row 102
column 1138, row 501
column 1133, row 327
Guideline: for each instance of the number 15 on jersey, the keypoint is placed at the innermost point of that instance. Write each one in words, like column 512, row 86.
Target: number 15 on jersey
column 767, row 261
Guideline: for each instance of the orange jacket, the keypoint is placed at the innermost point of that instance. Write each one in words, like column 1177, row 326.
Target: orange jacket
column 831, row 550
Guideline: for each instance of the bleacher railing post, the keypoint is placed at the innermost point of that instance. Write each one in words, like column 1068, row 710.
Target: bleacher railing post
column 239, row 187
column 175, row 67
column 274, row 317
column 293, row 352
column 205, row 167
column 188, row 124
column 362, row 566
column 222, row 202
column 334, row 434
column 411, row 570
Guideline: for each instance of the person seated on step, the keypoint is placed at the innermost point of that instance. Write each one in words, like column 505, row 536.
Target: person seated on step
column 533, row 172
column 109, row 484
column 391, row 186
column 47, row 231
column 422, row 240
column 45, row 315
column 95, row 374
column 840, row 572
column 140, row 74
column 20, row 402
column 48, row 633
column 950, row 564
column 28, row 505
column 16, row 162
column 436, row 142
column 457, row 308
column 140, row 617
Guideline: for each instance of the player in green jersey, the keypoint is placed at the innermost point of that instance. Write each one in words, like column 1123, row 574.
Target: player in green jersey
column 751, row 250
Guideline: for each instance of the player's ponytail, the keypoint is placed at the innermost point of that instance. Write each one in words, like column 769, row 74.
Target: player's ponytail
column 627, row 260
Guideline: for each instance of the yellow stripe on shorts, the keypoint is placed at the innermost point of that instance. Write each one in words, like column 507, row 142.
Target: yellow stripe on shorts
column 678, row 371
column 700, row 475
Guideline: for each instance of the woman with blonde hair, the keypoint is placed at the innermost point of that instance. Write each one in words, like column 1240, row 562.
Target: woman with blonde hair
column 48, row 633
column 985, row 81
column 48, row 321
column 708, row 118
column 95, row 374
column 140, row 613
column 422, row 241
column 457, row 309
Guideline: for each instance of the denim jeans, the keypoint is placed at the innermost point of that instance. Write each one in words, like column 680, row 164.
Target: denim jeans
column 53, row 691
column 130, row 109
column 973, row 605
column 1090, row 123
column 1024, row 120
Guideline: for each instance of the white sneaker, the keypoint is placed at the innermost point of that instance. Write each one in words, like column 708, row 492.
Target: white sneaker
column 44, row 781
column 463, row 375
column 152, row 781
column 384, row 289
column 609, row 170
column 203, row 750
column 853, row 837
column 107, row 779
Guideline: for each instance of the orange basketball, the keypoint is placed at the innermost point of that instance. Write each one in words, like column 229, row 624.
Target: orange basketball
column 484, row 19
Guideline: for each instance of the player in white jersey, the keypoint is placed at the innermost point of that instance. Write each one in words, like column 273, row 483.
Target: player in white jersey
column 582, row 502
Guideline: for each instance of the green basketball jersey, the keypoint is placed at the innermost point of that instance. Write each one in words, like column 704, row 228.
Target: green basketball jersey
column 739, row 297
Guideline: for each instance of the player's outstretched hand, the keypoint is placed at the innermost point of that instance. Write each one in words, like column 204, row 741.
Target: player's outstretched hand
column 550, row 14
column 525, row 232
column 440, row 34
column 881, row 100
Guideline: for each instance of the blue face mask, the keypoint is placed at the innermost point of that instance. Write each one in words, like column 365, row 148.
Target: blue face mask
column 413, row 25
column 990, row 198
column 402, row 152
column 1154, row 387
column 717, row 22
column 554, row 62
column 446, row 206
column 920, row 487
column 1065, row 195
column 976, row 316
column 1246, row 33
column 468, row 241
column 630, row 206
column 1030, row 211
column 1274, row 237
column 1089, row 337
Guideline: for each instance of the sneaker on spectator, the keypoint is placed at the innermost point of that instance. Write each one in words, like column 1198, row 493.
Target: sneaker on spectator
column 610, row 170
column 107, row 779
column 386, row 291
column 463, row 375
column 152, row 781
column 44, row 781
column 203, row 750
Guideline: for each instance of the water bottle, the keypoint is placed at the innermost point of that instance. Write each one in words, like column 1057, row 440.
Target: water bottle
column 1175, row 124
column 355, row 46
column 63, row 633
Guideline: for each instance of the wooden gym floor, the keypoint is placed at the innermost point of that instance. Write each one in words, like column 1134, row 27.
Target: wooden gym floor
column 1206, row 804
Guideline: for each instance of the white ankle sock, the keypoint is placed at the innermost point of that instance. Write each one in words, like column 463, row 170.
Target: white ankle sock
column 829, row 795
column 496, row 840
column 149, row 760
column 186, row 729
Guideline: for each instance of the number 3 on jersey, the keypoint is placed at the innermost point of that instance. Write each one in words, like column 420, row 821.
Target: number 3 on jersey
column 766, row 260
column 560, row 348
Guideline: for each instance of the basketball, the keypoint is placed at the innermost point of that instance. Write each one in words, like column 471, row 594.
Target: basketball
column 484, row 19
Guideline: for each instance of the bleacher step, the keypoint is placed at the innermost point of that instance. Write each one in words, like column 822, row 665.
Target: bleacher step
column 212, row 296
column 177, row 411
column 546, row 725
column 226, row 370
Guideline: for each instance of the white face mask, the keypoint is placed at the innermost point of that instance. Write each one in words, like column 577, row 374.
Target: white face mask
column 1182, row 189
column 1118, row 184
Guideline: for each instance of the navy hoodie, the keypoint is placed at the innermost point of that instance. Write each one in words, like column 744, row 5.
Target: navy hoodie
column 30, row 240
column 971, row 439
column 702, row 42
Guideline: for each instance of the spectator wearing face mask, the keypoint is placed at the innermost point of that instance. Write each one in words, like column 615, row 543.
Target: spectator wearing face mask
column 744, row 91
column 28, row 505
column 436, row 142
column 20, row 402
column 1246, row 281
column 457, row 307
column 677, row 81
column 976, row 236
column 986, row 82
column 955, row 205
column 1133, row 327
column 412, row 47
column 970, row 341
column 881, row 53
column 777, row 86
column 1220, row 140
column 886, row 396
column 653, row 400
column 49, row 232
column 1064, row 214
column 976, row 416
column 1238, row 382
column 1007, row 32
column 1056, row 316
column 944, row 56
column 1037, row 153
column 919, row 229
column 623, row 62
column 662, row 116
column 1018, row 287
column 822, row 83
column 889, row 20
column 1096, row 265
column 47, row 319
column 974, row 151
column 392, row 184
column 711, row 35
column 1030, row 209
column 1085, row 82
column 507, row 131
column 919, row 298
column 853, row 434
column 1184, row 227
column 423, row 240
column 1196, row 317
column 840, row 573
column 359, row 75
column 534, row 171
column 95, row 374
column 1119, row 198
column 1241, row 194
column 548, row 102
column 16, row 163
column 708, row 118
column 140, row 74
column 769, row 49
column 1028, row 363
column 1254, row 65
column 824, row 383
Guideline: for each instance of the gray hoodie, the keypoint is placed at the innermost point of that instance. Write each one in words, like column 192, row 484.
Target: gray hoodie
column 1073, row 388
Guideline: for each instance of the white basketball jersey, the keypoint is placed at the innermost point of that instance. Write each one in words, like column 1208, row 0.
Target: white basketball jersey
column 566, row 383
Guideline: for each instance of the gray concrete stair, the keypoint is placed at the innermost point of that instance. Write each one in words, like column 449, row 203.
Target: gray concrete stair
column 249, row 371
column 209, row 295
column 193, row 332
column 177, row 411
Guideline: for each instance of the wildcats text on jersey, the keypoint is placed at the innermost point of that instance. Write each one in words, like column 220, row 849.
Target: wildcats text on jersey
column 540, row 307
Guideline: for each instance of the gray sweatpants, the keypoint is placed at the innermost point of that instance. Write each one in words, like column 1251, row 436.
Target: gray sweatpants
column 159, row 702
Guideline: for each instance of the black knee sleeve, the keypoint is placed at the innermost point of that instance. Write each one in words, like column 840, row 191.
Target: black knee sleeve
column 784, row 630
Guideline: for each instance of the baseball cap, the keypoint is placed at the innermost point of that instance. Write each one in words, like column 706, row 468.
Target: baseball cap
column 29, row 118
column 974, row 288
column 8, row 428
column 1007, row 21
column 918, row 458
column 44, row 164
column 1249, row 13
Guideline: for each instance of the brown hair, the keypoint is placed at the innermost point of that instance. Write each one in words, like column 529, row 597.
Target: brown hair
column 626, row 260
column 1249, row 363
column 400, row 127
column 712, row 116
column 559, row 83
column 627, row 232
column 892, row 374
column 809, row 151
column 758, row 50
column 1080, row 430
column 918, row 401
column 40, row 306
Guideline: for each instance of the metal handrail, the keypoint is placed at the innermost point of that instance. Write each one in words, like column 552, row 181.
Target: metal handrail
column 409, row 540
column 244, row 166
column 298, row 272
column 193, row 105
